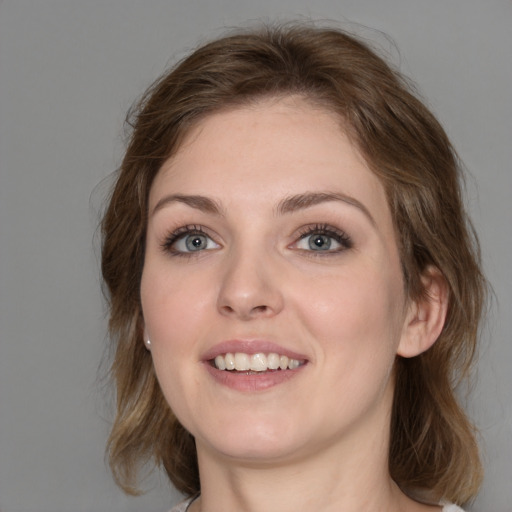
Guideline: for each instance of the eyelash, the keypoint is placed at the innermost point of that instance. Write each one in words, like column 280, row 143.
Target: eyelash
column 318, row 229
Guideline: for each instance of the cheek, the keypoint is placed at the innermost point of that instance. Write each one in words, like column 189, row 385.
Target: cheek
column 171, row 320
column 171, row 304
column 358, row 312
column 171, row 308
column 352, row 321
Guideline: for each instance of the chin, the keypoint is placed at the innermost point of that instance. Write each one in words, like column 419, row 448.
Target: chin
column 252, row 441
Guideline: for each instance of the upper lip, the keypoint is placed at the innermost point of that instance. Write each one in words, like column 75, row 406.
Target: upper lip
column 250, row 347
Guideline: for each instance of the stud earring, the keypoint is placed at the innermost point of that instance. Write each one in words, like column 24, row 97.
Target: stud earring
column 148, row 343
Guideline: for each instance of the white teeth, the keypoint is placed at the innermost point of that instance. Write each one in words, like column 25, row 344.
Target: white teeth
column 259, row 362
column 293, row 363
column 230, row 361
column 220, row 363
column 242, row 362
column 273, row 361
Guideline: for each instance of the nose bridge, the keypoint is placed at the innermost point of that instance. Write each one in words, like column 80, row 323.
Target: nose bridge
column 249, row 286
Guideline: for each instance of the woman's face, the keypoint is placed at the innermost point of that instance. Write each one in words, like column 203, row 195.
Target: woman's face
column 270, row 244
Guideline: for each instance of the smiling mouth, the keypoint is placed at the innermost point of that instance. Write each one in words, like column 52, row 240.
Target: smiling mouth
column 255, row 363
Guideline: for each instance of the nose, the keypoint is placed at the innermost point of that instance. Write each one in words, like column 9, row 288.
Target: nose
column 250, row 288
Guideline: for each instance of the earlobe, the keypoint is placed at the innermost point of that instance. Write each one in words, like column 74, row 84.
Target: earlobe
column 426, row 315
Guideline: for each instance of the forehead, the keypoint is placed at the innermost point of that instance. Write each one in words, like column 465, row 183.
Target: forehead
column 285, row 142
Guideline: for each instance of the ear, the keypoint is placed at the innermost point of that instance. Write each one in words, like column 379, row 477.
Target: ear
column 425, row 316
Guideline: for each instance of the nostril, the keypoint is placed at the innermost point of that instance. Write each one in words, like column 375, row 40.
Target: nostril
column 246, row 312
column 259, row 309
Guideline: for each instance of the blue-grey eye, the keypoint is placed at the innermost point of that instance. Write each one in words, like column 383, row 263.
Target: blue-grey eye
column 196, row 242
column 319, row 242
column 193, row 242
column 323, row 240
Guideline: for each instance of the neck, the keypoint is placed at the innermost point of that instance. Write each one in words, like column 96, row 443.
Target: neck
column 301, row 486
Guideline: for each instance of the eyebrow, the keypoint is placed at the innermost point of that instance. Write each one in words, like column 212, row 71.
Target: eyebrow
column 302, row 201
column 205, row 204
column 287, row 205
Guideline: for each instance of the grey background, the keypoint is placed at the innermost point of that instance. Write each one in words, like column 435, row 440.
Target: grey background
column 69, row 70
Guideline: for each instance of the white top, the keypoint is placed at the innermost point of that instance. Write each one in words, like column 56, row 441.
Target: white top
column 450, row 508
column 182, row 507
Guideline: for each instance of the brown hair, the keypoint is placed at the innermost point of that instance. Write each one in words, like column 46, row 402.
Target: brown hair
column 432, row 443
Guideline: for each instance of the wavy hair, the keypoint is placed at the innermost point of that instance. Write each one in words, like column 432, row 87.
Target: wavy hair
column 432, row 442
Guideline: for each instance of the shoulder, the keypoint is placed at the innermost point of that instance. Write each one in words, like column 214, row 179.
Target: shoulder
column 452, row 508
column 183, row 505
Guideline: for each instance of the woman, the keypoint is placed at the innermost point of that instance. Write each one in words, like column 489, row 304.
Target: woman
column 294, row 285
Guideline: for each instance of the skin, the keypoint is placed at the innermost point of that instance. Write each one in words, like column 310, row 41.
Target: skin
column 322, row 435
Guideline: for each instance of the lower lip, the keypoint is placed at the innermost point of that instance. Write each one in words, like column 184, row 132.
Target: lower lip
column 257, row 381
